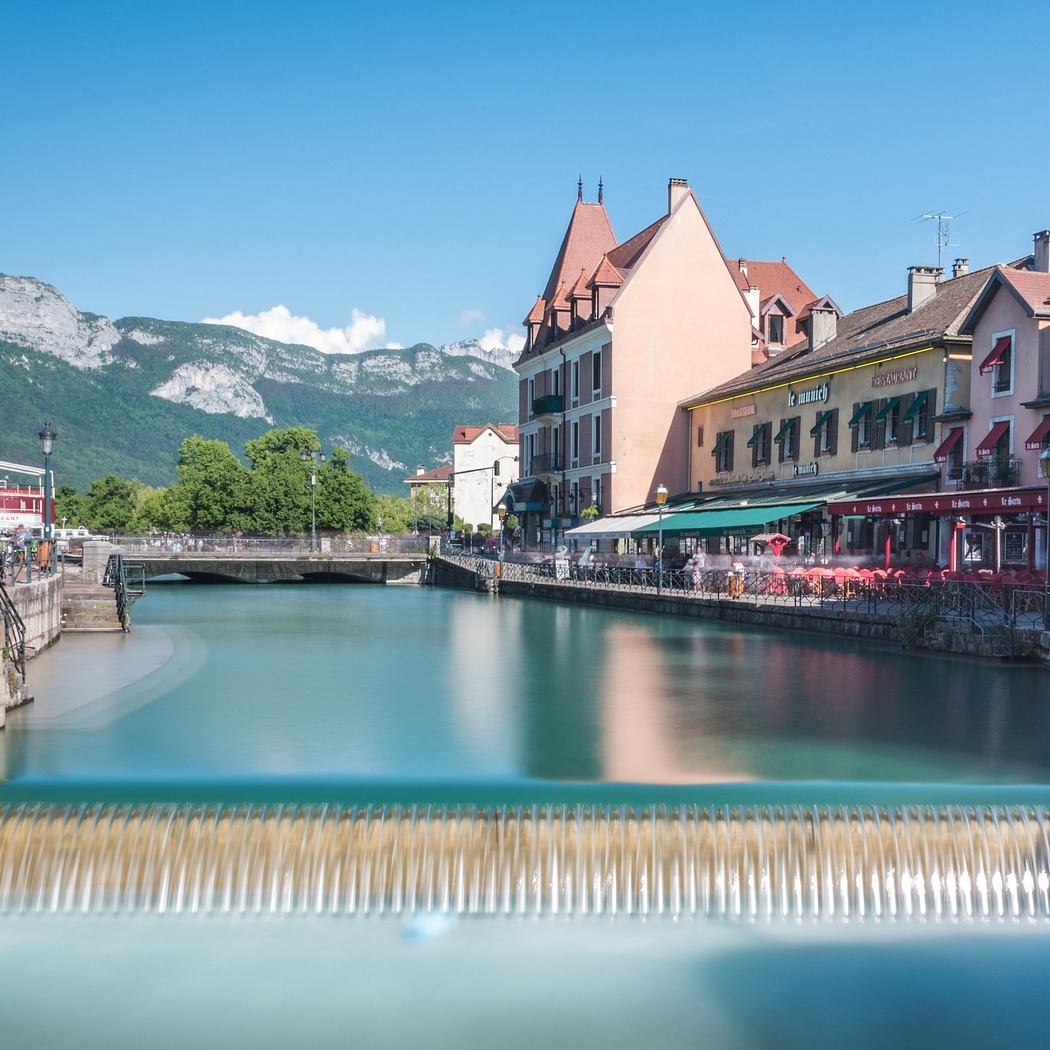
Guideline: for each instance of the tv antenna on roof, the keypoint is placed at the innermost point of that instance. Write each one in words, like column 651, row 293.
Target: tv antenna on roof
column 943, row 239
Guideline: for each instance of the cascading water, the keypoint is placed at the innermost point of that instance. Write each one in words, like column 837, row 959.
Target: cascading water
column 763, row 863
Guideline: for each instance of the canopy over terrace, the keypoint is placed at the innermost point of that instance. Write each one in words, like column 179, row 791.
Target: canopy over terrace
column 611, row 528
column 718, row 522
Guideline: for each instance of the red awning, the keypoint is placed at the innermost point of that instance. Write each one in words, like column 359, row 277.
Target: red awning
column 941, row 455
column 1002, row 344
column 987, row 447
column 1038, row 436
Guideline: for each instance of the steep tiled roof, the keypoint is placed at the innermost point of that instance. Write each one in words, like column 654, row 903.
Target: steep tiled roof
column 589, row 236
column 606, row 276
column 1032, row 288
column 467, row 435
column 625, row 255
column 773, row 277
column 867, row 332
column 439, row 475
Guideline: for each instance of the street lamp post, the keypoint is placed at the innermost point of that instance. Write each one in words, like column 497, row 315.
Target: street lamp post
column 501, row 510
column 47, row 446
column 311, row 456
column 661, row 499
column 1044, row 470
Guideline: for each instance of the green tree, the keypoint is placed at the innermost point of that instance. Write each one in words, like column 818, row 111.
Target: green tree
column 214, row 486
column 278, row 489
column 395, row 511
column 109, row 504
column 343, row 500
column 69, row 506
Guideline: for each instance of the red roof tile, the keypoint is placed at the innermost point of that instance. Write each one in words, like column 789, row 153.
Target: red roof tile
column 1032, row 287
column 589, row 236
column 467, row 435
column 439, row 475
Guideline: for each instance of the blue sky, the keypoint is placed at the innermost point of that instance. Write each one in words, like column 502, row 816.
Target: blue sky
column 399, row 173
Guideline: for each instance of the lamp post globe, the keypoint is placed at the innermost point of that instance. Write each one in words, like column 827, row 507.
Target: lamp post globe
column 1044, row 470
column 47, row 445
column 312, row 456
column 661, row 499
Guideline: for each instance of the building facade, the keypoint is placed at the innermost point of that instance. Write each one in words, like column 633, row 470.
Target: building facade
column 902, row 447
column 620, row 330
column 484, row 466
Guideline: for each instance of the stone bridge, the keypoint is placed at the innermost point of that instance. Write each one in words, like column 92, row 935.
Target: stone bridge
column 253, row 567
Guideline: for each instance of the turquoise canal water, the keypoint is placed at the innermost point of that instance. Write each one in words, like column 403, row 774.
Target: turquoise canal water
column 351, row 693
column 383, row 686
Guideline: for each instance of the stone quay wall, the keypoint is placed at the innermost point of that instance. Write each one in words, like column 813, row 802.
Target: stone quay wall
column 40, row 605
column 828, row 619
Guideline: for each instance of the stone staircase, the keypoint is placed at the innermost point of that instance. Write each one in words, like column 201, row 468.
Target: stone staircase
column 89, row 607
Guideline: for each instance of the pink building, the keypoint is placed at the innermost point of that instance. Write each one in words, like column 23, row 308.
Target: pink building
column 619, row 332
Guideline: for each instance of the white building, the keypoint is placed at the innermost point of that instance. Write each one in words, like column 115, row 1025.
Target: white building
column 484, row 463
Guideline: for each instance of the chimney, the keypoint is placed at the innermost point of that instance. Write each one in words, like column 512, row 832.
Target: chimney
column 742, row 265
column 959, row 267
column 823, row 324
column 1042, row 252
column 676, row 190
column 753, row 303
column 419, row 471
column 922, row 285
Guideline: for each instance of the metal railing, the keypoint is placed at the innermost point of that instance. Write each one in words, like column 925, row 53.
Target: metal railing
column 14, row 633
column 128, row 580
column 357, row 544
column 995, row 604
column 987, row 473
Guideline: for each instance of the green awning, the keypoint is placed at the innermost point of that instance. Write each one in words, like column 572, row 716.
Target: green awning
column 723, row 440
column 917, row 405
column 821, row 420
column 759, row 434
column 861, row 412
column 782, row 433
column 888, row 407
column 719, row 522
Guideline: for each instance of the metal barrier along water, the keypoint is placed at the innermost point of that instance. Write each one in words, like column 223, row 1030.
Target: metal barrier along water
column 759, row 863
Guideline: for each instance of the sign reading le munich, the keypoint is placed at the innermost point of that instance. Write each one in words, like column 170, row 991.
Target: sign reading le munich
column 805, row 397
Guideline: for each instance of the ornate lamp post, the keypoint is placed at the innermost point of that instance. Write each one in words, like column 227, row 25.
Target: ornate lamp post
column 1044, row 470
column 47, row 446
column 661, row 499
column 501, row 510
column 311, row 456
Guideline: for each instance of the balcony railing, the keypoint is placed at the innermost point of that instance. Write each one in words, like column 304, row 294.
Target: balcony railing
column 550, row 405
column 987, row 473
column 547, row 463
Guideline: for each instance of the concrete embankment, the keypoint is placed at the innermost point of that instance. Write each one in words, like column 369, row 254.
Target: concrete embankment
column 833, row 618
column 39, row 605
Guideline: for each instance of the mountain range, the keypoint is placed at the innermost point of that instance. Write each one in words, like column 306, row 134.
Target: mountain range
column 124, row 394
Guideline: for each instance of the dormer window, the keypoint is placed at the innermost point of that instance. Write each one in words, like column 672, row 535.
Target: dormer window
column 775, row 329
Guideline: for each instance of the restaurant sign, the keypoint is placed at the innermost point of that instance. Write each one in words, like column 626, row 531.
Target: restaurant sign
column 813, row 395
column 901, row 375
column 977, row 504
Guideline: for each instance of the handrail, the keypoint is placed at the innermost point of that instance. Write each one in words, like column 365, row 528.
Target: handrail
column 14, row 632
column 116, row 576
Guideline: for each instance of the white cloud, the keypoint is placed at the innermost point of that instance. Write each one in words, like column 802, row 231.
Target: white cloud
column 364, row 332
column 495, row 339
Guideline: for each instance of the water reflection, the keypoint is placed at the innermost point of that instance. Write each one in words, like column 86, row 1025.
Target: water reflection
column 418, row 684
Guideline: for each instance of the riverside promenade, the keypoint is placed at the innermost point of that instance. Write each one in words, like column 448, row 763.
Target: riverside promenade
column 964, row 618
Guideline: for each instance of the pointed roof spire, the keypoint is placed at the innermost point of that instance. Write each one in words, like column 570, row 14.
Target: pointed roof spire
column 600, row 194
column 579, row 189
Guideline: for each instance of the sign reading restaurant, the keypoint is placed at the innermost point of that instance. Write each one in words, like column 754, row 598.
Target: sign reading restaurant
column 901, row 375
column 943, row 504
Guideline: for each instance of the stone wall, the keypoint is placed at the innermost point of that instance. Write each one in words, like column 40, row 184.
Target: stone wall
column 40, row 605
